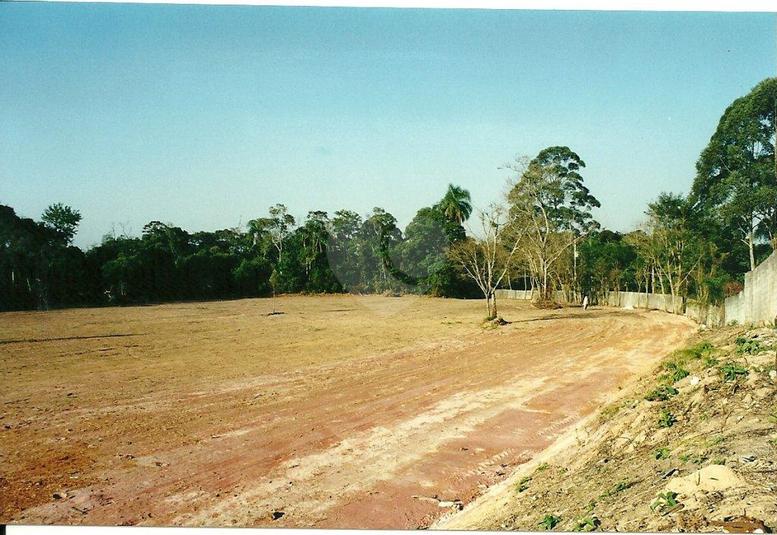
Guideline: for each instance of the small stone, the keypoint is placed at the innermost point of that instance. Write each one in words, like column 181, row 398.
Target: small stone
column 277, row 514
column 773, row 375
column 694, row 380
column 59, row 495
column 749, row 458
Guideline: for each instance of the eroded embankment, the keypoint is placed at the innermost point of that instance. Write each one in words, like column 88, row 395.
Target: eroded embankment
column 691, row 447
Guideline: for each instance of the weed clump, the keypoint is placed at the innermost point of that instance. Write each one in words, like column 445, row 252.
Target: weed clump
column 731, row 371
column 666, row 419
column 617, row 488
column 588, row 523
column 748, row 346
column 664, row 501
column 549, row 522
column 662, row 393
column 675, row 372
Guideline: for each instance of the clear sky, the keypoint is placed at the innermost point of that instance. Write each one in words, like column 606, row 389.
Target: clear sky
column 204, row 116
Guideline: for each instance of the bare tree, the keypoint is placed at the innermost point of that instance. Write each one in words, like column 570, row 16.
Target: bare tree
column 487, row 256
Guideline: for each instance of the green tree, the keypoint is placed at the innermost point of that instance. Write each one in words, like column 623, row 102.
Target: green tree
column 674, row 245
column 552, row 204
column 737, row 171
column 456, row 204
column 63, row 220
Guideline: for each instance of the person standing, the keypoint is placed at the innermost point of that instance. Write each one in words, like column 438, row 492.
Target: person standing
column 585, row 302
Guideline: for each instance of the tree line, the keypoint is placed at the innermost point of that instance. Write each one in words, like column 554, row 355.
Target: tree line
column 41, row 268
column 541, row 236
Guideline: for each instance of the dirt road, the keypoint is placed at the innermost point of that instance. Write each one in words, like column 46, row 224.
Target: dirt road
column 343, row 411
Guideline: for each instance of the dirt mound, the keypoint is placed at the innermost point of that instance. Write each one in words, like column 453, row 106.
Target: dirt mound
column 691, row 447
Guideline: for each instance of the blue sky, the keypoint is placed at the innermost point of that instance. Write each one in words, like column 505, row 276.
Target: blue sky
column 204, row 116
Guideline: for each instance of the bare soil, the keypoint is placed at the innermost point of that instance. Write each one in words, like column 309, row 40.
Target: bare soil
column 344, row 411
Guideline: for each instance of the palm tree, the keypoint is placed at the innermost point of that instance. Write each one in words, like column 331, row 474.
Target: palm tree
column 456, row 204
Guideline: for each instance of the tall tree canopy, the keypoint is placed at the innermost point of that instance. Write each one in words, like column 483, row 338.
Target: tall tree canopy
column 63, row 220
column 737, row 171
column 456, row 205
column 551, row 206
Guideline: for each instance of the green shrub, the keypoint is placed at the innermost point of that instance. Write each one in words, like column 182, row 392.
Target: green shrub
column 665, row 500
column 662, row 453
column 675, row 372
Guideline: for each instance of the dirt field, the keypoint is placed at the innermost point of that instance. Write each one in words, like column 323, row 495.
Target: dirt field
column 343, row 411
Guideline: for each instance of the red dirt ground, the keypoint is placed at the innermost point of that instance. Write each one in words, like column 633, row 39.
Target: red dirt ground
column 344, row 411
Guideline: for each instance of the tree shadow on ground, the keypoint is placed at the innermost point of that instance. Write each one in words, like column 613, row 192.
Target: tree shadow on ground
column 63, row 338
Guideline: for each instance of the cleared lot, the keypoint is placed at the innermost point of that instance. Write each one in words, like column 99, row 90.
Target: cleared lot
column 343, row 411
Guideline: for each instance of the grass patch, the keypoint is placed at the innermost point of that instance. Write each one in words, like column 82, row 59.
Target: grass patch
column 542, row 467
column 523, row 484
column 609, row 411
column 661, row 453
column 692, row 458
column 695, row 352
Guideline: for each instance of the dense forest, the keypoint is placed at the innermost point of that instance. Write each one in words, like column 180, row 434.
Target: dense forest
column 541, row 236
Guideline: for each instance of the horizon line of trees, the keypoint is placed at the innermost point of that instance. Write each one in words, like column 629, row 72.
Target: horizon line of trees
column 541, row 236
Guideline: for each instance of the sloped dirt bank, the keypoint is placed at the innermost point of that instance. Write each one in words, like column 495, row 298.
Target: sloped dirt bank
column 691, row 446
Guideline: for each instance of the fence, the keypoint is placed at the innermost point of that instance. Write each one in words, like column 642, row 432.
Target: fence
column 756, row 304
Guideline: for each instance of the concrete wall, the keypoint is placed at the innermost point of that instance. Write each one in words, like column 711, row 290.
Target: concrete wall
column 711, row 315
column 645, row 300
column 513, row 294
column 526, row 295
column 757, row 303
